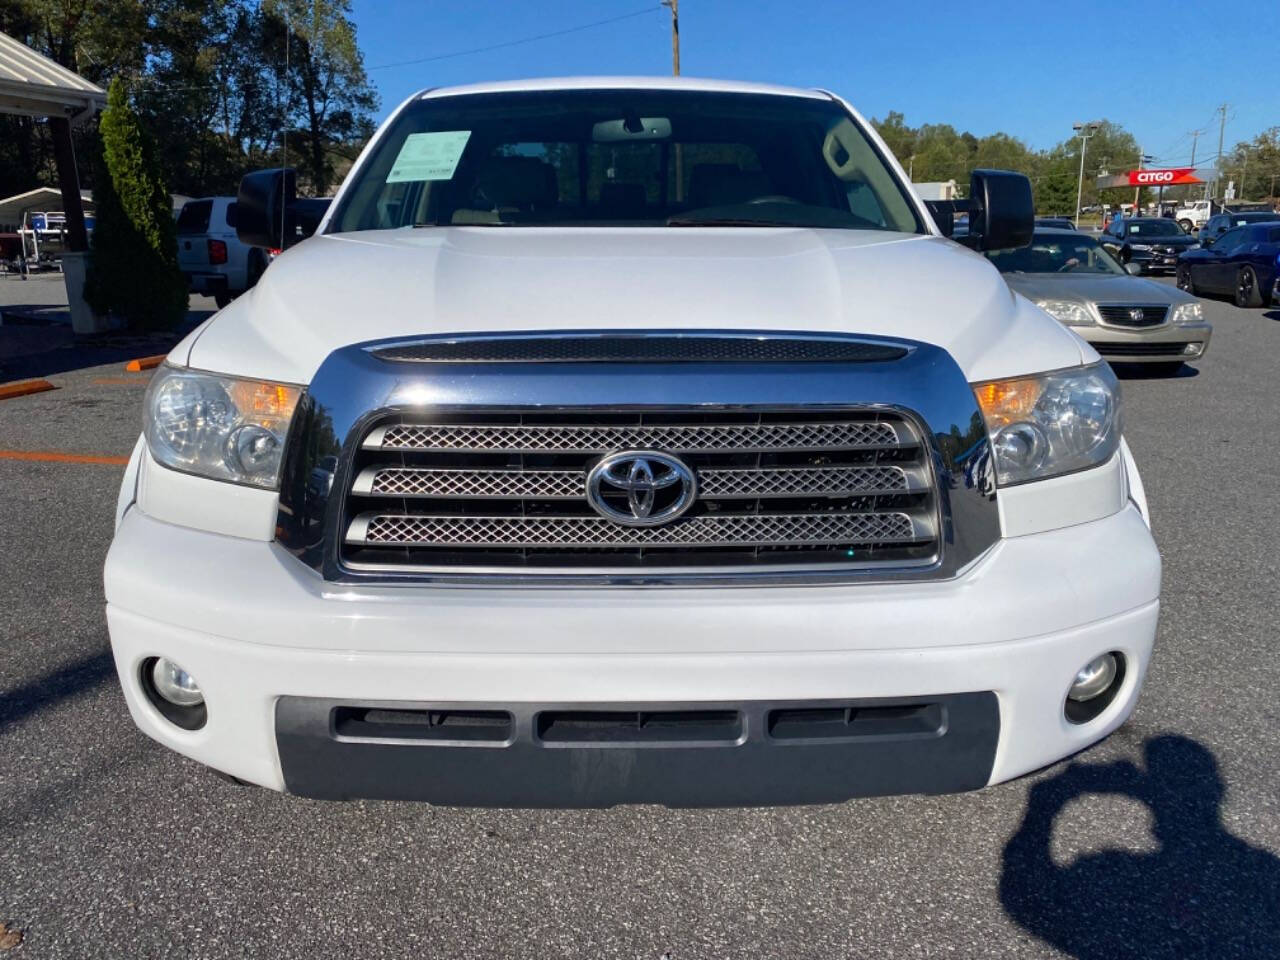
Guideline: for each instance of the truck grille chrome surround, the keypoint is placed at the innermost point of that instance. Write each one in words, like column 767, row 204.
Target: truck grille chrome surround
column 460, row 472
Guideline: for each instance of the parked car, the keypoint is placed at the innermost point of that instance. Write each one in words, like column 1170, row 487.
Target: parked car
column 210, row 254
column 1194, row 214
column 1151, row 244
column 1244, row 262
column 1056, row 223
column 1126, row 318
column 625, row 441
column 1220, row 223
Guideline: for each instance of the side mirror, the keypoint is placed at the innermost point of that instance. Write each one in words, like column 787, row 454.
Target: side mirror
column 269, row 212
column 261, row 205
column 1206, row 240
column 1004, row 214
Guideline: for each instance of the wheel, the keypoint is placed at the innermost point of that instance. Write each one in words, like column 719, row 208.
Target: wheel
column 1186, row 225
column 1247, row 292
column 1185, row 283
column 221, row 299
column 257, row 267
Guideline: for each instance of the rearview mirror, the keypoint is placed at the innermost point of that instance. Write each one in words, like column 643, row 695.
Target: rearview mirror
column 269, row 212
column 1004, row 215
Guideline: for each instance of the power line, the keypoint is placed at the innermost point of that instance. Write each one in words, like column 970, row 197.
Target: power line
column 514, row 43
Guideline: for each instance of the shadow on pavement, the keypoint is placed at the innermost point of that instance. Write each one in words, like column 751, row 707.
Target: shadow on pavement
column 83, row 675
column 33, row 350
column 1202, row 893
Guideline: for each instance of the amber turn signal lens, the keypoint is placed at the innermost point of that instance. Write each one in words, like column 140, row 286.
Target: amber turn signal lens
column 1004, row 401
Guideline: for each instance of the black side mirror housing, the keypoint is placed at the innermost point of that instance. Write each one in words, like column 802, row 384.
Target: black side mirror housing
column 1003, row 215
column 269, row 212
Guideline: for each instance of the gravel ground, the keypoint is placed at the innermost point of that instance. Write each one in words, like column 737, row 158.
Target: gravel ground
column 1159, row 842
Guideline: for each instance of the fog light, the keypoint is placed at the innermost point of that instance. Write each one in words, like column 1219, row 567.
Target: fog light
column 1193, row 349
column 1093, row 679
column 175, row 685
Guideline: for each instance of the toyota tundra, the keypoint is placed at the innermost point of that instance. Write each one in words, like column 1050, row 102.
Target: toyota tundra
column 631, row 441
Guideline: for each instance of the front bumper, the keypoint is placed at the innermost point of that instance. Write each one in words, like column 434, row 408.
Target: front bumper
column 1167, row 343
column 1156, row 260
column 276, row 650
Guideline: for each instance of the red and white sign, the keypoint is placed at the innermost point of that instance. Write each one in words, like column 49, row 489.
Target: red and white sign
column 1162, row 178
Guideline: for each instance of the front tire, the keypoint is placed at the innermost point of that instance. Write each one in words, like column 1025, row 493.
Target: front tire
column 1186, row 225
column 1247, row 292
column 1185, row 283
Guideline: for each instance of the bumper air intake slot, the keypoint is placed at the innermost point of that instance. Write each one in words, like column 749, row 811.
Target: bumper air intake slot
column 636, row 727
column 856, row 722
column 466, row 726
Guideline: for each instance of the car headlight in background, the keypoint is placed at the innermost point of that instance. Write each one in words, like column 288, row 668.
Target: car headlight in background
column 1067, row 311
column 1188, row 313
column 219, row 427
column 1139, row 246
column 1051, row 424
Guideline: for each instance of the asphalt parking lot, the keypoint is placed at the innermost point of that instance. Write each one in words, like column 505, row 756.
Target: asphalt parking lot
column 1159, row 842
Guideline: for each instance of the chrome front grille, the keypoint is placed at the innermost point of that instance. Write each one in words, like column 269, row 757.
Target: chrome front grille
column 508, row 490
column 1133, row 314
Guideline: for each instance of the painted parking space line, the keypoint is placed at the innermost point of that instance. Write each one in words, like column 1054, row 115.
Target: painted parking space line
column 54, row 456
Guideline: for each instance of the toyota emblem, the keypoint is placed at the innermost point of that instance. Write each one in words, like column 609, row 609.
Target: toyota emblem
column 641, row 488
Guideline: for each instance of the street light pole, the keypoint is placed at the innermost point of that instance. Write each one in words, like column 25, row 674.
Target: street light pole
column 1086, row 131
column 674, row 7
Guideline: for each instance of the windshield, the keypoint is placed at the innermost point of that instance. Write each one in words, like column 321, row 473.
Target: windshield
column 605, row 158
column 1056, row 253
column 1154, row 228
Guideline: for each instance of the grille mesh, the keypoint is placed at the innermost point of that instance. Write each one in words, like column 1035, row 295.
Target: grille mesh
column 568, row 484
column 496, row 489
column 598, row 533
column 604, row 439
column 1153, row 314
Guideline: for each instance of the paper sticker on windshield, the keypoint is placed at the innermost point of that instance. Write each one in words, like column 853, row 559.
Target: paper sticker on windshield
column 429, row 156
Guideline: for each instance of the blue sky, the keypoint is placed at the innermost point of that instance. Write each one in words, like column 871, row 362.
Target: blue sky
column 1159, row 69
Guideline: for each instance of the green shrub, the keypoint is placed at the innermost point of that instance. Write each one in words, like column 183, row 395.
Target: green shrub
column 133, row 265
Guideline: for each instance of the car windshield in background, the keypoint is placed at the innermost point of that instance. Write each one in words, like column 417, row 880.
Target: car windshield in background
column 1056, row 253
column 1155, row 228
column 625, row 158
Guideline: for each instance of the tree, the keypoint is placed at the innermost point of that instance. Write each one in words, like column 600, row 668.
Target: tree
column 133, row 268
column 330, row 99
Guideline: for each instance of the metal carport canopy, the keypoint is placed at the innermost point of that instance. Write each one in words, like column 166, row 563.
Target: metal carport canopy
column 35, row 86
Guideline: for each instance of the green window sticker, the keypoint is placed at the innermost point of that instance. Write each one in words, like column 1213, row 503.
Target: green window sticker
column 429, row 156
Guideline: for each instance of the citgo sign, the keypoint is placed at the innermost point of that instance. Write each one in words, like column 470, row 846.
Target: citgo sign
column 1162, row 178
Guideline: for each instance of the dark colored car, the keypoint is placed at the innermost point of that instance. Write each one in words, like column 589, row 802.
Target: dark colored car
column 1220, row 223
column 1055, row 223
column 1244, row 262
column 1153, row 243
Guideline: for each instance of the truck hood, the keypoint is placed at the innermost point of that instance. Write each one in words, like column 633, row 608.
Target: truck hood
column 335, row 290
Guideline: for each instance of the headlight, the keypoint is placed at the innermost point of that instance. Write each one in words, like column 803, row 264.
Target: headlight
column 1188, row 313
column 219, row 427
column 1051, row 424
column 1139, row 246
column 1067, row 311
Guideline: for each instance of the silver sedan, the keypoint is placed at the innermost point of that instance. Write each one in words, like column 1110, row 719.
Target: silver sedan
column 1127, row 319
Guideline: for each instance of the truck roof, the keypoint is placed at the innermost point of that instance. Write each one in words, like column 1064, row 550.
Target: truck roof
column 624, row 83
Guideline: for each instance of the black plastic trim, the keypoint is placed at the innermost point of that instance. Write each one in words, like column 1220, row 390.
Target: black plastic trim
column 676, row 754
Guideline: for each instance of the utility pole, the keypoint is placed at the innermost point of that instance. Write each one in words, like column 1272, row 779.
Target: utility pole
column 1244, row 172
column 1137, row 191
column 1222, row 129
column 674, row 7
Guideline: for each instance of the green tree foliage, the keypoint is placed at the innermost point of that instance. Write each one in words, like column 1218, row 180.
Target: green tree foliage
column 1255, row 166
column 329, row 96
column 935, row 152
column 133, row 268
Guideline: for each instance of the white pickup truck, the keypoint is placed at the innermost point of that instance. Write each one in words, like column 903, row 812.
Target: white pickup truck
column 624, row 441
